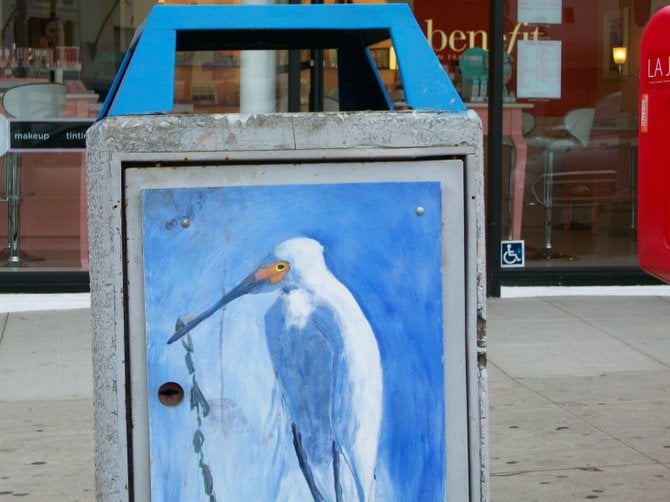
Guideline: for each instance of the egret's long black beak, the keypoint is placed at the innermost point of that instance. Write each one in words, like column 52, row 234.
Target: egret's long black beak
column 266, row 274
column 247, row 285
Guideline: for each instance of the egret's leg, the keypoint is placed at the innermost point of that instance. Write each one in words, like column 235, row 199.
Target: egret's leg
column 347, row 485
column 336, row 472
column 304, row 465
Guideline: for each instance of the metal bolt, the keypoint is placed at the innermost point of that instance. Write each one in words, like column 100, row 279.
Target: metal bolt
column 185, row 222
column 420, row 211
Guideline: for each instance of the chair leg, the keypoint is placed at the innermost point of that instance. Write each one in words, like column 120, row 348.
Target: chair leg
column 567, row 215
column 510, row 191
column 595, row 218
column 12, row 254
column 548, row 201
column 13, row 197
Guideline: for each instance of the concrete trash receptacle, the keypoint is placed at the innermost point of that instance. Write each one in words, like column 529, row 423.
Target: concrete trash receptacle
column 286, row 305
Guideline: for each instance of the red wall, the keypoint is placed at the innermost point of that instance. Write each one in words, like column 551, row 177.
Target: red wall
column 455, row 24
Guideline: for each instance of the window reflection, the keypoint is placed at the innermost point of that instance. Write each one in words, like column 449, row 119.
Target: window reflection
column 569, row 120
column 579, row 192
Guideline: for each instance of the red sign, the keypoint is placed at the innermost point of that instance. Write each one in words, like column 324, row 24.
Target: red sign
column 654, row 148
column 658, row 68
column 644, row 112
column 452, row 26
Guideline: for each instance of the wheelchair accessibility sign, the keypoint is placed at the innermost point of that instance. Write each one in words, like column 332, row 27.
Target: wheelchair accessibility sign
column 512, row 254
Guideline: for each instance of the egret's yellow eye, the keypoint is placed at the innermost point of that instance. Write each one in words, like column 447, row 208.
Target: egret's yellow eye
column 274, row 272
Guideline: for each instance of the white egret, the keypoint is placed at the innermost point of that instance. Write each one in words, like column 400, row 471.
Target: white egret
column 326, row 360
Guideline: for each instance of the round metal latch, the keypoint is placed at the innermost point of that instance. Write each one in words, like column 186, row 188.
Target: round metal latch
column 170, row 394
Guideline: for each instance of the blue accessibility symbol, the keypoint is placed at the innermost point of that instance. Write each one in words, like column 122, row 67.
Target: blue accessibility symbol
column 512, row 254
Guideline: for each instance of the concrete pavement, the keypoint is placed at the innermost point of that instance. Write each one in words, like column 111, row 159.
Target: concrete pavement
column 579, row 392
column 580, row 398
column 46, row 411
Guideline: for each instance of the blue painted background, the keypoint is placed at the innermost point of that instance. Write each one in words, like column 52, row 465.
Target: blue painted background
column 374, row 243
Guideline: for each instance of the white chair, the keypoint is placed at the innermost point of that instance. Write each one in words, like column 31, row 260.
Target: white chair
column 578, row 124
column 527, row 123
column 30, row 101
column 35, row 101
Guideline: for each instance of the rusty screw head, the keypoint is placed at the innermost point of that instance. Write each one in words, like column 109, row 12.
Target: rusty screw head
column 170, row 394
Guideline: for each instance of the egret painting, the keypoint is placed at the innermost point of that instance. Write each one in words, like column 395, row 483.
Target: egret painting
column 304, row 323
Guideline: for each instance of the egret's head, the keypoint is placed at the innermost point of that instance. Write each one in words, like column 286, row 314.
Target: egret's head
column 271, row 274
column 290, row 265
column 265, row 277
column 306, row 258
column 293, row 264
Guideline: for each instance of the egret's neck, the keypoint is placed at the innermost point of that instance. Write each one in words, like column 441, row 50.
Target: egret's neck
column 299, row 307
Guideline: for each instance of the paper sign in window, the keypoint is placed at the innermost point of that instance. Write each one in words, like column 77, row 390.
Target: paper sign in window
column 539, row 69
column 540, row 11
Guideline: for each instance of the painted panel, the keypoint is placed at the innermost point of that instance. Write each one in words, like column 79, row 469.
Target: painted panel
column 311, row 342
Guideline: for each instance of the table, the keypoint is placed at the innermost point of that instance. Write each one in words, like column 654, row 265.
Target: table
column 512, row 128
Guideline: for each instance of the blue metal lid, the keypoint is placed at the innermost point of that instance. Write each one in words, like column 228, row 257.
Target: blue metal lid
column 144, row 83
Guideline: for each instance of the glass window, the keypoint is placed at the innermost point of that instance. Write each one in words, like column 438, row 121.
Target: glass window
column 70, row 51
column 570, row 114
column 220, row 81
column 55, row 58
column 569, row 119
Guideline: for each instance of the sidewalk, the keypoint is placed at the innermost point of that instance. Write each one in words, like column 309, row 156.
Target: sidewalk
column 580, row 398
column 579, row 391
column 46, row 412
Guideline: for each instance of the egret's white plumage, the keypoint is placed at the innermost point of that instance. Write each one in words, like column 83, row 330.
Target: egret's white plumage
column 354, row 394
column 327, row 363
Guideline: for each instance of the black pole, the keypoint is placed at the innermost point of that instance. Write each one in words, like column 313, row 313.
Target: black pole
column 21, row 23
column 316, row 77
column 316, row 81
column 494, row 149
column 294, row 76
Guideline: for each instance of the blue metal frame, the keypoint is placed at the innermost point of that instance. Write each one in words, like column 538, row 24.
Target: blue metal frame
column 145, row 81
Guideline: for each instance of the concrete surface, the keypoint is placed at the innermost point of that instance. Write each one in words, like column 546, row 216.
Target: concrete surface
column 229, row 150
column 46, row 411
column 579, row 398
column 579, row 392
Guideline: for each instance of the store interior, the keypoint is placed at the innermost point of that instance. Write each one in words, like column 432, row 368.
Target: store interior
column 569, row 148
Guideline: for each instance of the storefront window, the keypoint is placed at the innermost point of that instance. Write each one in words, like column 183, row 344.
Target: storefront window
column 57, row 59
column 569, row 120
column 569, row 106
column 579, row 187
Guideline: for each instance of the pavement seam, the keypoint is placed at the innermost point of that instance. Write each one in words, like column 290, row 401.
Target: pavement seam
column 4, row 326
column 585, row 468
column 560, row 307
column 627, row 344
column 551, row 301
column 574, row 414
